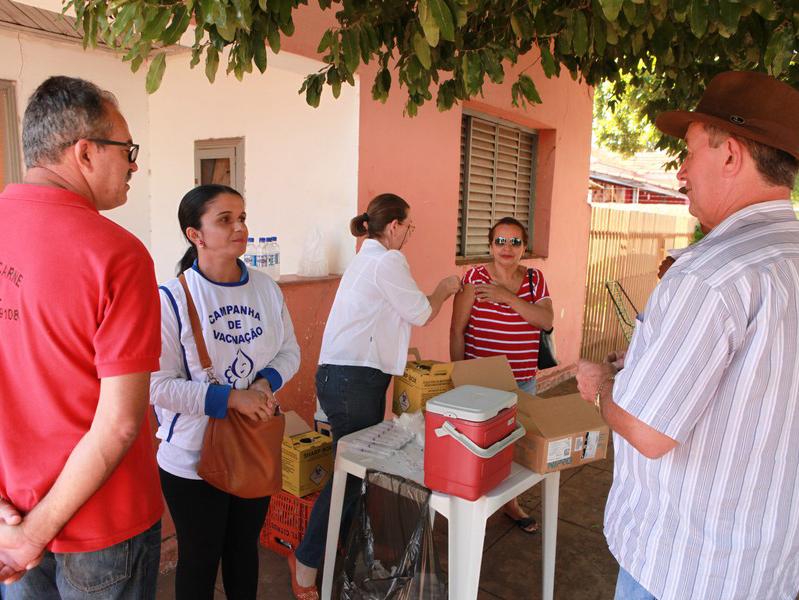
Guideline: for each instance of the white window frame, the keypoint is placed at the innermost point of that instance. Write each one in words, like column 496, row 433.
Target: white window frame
column 465, row 169
column 9, row 128
column 230, row 148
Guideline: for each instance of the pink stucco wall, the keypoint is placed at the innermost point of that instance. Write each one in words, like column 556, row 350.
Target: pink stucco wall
column 419, row 159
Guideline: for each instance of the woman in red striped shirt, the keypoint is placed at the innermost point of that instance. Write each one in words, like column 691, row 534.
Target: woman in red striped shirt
column 501, row 310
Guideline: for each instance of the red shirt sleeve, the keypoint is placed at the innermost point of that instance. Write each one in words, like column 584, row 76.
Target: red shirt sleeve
column 475, row 275
column 540, row 289
column 128, row 338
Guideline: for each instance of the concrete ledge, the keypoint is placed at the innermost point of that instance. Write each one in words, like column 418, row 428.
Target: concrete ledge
column 285, row 280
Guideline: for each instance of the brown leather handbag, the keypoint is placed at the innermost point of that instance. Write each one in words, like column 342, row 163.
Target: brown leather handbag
column 240, row 456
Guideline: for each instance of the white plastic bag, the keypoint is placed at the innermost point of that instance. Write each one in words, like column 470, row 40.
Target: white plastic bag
column 313, row 262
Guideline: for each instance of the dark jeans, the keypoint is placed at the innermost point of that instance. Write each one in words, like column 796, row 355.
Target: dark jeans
column 353, row 398
column 213, row 525
column 125, row 571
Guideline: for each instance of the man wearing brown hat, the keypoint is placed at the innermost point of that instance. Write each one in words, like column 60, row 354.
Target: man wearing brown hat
column 705, row 411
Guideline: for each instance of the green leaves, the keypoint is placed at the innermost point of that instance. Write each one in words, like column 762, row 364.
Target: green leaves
column 313, row 86
column 547, row 60
column 662, row 38
column 422, row 50
column 259, row 56
column 697, row 17
column 446, row 95
column 524, row 91
column 765, row 8
column 779, row 50
column 156, row 72
column 351, row 49
column 273, row 36
column 730, row 14
column 472, row 73
column 450, row 48
column 580, row 33
column 443, row 18
column 180, row 22
column 381, row 86
column 611, row 8
column 211, row 63
column 428, row 23
column 492, row 65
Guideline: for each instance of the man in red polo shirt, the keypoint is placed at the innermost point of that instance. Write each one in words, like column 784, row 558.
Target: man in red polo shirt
column 79, row 336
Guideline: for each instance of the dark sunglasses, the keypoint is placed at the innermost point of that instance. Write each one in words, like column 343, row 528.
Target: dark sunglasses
column 133, row 149
column 501, row 241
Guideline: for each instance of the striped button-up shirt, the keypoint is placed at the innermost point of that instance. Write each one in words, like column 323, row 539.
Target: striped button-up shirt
column 714, row 365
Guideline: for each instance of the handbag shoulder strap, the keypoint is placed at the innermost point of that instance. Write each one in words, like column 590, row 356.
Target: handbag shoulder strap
column 530, row 281
column 196, row 329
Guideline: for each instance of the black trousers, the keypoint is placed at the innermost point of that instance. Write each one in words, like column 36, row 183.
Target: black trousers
column 214, row 526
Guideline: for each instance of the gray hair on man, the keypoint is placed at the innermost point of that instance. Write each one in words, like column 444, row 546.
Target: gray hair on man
column 61, row 111
column 775, row 166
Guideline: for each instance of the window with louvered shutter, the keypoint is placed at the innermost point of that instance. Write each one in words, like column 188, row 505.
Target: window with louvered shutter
column 497, row 179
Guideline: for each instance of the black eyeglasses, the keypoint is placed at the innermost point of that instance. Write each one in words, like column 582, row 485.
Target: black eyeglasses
column 501, row 241
column 133, row 149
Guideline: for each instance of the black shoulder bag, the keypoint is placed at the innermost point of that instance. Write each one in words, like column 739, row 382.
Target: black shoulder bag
column 546, row 344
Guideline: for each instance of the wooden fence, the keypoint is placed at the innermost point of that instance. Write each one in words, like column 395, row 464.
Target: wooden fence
column 627, row 244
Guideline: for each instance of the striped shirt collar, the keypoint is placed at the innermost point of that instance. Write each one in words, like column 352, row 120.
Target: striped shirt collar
column 774, row 210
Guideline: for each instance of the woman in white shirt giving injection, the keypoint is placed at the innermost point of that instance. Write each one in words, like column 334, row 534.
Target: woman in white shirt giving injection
column 365, row 343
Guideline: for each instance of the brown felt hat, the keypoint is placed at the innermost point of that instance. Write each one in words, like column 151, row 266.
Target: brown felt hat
column 748, row 104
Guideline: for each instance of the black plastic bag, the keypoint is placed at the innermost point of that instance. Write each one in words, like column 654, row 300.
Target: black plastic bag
column 390, row 553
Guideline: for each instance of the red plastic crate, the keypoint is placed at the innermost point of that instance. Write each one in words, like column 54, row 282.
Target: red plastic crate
column 286, row 522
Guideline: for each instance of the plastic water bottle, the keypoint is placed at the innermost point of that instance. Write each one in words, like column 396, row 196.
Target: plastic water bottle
column 275, row 259
column 269, row 257
column 263, row 261
column 249, row 253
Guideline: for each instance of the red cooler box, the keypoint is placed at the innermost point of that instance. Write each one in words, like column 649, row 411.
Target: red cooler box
column 469, row 437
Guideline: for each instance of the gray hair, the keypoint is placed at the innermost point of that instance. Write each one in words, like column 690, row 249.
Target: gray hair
column 775, row 166
column 61, row 111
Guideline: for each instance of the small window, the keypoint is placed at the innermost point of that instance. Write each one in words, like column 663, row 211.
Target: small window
column 220, row 161
column 10, row 162
column 498, row 169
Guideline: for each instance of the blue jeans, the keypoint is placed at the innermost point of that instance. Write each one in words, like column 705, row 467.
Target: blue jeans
column 628, row 588
column 353, row 398
column 125, row 571
column 527, row 385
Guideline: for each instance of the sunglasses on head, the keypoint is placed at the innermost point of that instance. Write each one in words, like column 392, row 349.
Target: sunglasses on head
column 501, row 241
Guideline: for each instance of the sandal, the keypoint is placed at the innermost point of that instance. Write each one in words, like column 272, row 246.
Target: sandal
column 527, row 525
column 300, row 592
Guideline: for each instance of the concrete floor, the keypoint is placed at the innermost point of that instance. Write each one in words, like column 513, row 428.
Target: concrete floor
column 511, row 568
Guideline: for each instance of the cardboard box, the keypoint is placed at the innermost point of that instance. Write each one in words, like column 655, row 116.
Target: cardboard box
column 562, row 432
column 422, row 380
column 307, row 457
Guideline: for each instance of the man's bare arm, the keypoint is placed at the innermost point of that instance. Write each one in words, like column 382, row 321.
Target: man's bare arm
column 116, row 424
column 647, row 440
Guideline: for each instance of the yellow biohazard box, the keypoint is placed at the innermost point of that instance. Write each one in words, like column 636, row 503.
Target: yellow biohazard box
column 307, row 457
column 421, row 381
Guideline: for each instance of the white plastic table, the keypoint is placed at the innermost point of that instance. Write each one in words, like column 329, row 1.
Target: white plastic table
column 467, row 519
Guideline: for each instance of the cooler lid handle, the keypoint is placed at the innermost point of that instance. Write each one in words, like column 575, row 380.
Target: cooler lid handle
column 449, row 429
